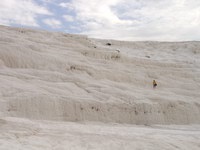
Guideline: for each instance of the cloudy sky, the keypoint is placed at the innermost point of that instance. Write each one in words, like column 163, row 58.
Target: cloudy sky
column 162, row 20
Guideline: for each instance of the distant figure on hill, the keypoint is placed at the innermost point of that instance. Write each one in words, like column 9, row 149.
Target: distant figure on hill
column 154, row 84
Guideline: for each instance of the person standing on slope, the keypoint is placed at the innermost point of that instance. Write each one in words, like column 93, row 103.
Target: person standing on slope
column 154, row 84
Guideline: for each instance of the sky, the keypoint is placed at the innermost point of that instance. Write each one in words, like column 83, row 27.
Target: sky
column 132, row 20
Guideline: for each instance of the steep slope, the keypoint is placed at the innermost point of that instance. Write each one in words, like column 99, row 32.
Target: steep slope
column 57, row 76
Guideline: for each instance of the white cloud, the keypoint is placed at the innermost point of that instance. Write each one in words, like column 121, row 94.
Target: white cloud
column 116, row 19
column 98, row 11
column 53, row 23
column 69, row 6
column 139, row 19
column 47, row 1
column 23, row 12
column 68, row 18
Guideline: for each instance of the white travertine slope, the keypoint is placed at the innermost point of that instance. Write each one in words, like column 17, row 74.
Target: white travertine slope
column 23, row 134
column 57, row 76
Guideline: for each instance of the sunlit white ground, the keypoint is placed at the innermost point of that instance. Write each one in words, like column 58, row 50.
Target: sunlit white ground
column 60, row 83
column 25, row 134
